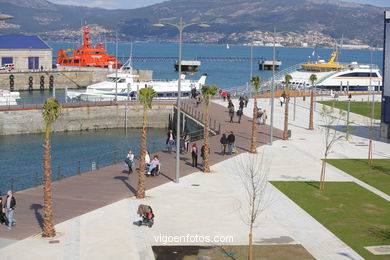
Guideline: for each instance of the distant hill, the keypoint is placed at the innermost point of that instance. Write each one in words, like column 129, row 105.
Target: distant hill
column 358, row 23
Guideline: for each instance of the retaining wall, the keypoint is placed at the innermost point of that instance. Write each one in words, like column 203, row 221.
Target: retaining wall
column 84, row 118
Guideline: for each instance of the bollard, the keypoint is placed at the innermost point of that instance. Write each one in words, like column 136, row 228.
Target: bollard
column 78, row 168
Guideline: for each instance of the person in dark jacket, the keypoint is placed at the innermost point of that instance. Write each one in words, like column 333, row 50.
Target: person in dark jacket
column 242, row 103
column 246, row 100
column 231, row 139
column 239, row 114
column 9, row 208
column 170, row 140
column 231, row 111
column 224, row 143
column 3, row 219
column 194, row 155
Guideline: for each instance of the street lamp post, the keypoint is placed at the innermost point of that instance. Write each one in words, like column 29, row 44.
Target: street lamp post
column 180, row 27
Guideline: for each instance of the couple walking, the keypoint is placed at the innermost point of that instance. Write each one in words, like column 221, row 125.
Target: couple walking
column 228, row 142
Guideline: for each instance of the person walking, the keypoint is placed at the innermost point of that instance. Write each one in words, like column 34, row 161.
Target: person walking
column 281, row 100
column 264, row 117
column 186, row 141
column 9, row 208
column 231, row 111
column 170, row 140
column 231, row 139
column 259, row 115
column 242, row 103
column 3, row 219
column 194, row 155
column 224, row 142
column 246, row 100
column 239, row 114
column 130, row 161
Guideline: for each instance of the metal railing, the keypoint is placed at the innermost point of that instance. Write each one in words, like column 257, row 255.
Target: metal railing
column 215, row 126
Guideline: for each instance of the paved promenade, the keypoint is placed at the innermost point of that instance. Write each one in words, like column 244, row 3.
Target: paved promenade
column 81, row 194
column 212, row 204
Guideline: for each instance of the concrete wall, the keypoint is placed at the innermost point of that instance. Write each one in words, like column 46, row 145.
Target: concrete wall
column 20, row 57
column 83, row 118
column 70, row 79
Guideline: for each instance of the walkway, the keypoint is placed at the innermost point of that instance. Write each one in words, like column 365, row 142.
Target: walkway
column 78, row 195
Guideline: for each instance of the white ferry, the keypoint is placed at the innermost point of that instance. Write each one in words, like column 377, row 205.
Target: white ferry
column 125, row 85
column 336, row 75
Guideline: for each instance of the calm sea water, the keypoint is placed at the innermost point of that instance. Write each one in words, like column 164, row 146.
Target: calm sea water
column 22, row 155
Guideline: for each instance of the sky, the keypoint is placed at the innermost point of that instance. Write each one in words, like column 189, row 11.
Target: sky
column 130, row 4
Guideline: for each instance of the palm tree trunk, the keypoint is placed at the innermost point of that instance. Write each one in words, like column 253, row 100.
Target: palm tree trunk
column 48, row 226
column 206, row 167
column 141, row 172
column 254, row 128
column 285, row 131
column 311, row 123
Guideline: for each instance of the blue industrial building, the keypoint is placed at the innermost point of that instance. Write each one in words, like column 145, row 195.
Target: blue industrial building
column 25, row 52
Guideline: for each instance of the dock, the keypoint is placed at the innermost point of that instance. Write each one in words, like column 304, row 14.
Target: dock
column 86, row 192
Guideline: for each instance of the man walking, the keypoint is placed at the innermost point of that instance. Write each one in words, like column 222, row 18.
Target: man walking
column 231, row 140
column 8, row 208
column 239, row 114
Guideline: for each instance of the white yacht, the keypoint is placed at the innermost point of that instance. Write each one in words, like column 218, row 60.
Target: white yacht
column 8, row 98
column 336, row 75
column 126, row 85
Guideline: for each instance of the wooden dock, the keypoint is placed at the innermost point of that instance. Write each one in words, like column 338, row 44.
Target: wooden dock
column 81, row 194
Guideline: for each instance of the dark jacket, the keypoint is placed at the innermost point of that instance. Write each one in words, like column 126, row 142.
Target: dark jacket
column 231, row 138
column 13, row 202
column 223, row 140
column 168, row 137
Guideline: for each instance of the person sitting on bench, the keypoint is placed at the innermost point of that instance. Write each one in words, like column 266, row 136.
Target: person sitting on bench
column 153, row 164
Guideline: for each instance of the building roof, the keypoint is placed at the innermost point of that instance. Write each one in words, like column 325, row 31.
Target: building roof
column 22, row 42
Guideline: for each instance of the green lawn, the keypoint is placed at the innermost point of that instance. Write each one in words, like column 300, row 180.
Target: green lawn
column 376, row 175
column 355, row 215
column 357, row 107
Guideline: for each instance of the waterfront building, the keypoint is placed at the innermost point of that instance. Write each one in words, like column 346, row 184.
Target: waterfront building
column 25, row 52
column 385, row 112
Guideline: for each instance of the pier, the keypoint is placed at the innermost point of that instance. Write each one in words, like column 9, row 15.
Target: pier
column 86, row 192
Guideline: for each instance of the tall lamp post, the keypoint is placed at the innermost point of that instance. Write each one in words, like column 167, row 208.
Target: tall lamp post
column 180, row 27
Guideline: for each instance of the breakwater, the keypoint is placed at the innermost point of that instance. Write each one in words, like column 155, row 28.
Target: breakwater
column 84, row 117
column 58, row 79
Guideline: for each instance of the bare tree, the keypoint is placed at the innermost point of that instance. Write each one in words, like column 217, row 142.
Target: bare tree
column 331, row 134
column 253, row 171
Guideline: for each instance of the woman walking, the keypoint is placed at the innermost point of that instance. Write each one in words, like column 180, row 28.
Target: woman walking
column 194, row 154
column 231, row 110
column 130, row 161
column 264, row 117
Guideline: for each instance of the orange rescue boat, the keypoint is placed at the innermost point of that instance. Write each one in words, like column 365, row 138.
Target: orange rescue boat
column 88, row 55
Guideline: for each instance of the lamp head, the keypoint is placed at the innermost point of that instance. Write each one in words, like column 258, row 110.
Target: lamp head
column 158, row 25
column 4, row 16
column 203, row 25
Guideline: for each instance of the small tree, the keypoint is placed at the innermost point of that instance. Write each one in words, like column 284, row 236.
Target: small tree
column 313, row 79
column 50, row 113
column 146, row 96
column 331, row 135
column 253, row 172
column 208, row 93
column 255, row 81
column 287, row 79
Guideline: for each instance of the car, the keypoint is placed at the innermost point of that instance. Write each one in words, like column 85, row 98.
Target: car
column 8, row 66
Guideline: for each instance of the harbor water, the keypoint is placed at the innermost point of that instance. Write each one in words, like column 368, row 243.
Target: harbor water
column 73, row 152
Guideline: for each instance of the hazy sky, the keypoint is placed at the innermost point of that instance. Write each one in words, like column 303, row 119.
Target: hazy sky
column 129, row 4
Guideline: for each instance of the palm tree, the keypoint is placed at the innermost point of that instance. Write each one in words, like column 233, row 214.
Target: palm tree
column 208, row 93
column 50, row 113
column 313, row 79
column 146, row 96
column 287, row 79
column 255, row 81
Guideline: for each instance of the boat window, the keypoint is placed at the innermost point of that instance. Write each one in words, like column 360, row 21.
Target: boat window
column 186, row 94
column 359, row 75
column 169, row 95
column 121, row 80
column 160, row 94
